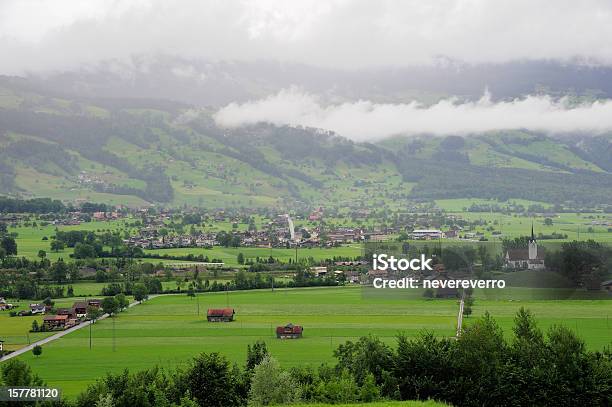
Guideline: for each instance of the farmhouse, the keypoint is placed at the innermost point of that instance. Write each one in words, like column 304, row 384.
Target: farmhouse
column 66, row 311
column 80, row 308
column 94, row 302
column 37, row 308
column 289, row 331
column 529, row 259
column 51, row 322
column 4, row 305
column 220, row 315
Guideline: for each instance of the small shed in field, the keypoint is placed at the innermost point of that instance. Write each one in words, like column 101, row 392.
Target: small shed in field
column 289, row 331
column 220, row 315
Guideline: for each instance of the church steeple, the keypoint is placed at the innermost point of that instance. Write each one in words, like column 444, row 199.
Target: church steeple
column 533, row 246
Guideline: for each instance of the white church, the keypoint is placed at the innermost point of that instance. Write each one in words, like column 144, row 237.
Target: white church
column 526, row 259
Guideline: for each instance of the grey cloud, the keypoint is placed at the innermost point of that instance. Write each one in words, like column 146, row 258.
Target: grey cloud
column 58, row 34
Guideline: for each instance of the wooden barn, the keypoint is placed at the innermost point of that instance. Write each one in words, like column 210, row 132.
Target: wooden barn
column 220, row 315
column 289, row 331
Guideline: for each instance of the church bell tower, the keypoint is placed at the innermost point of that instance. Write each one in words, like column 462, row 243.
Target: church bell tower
column 533, row 246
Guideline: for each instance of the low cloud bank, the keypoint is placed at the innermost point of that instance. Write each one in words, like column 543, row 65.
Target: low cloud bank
column 363, row 120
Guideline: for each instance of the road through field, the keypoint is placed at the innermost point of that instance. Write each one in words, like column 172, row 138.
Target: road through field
column 60, row 334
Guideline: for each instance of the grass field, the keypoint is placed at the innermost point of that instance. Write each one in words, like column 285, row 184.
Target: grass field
column 167, row 330
column 30, row 239
column 229, row 255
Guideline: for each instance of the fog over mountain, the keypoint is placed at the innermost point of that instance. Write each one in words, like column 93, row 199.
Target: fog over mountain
column 367, row 121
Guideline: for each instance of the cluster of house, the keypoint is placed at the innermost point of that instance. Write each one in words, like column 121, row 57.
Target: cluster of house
column 149, row 238
column 67, row 317
column 77, row 217
column 288, row 331
column 454, row 233
column 352, row 276
column 276, row 236
column 105, row 215
column 62, row 318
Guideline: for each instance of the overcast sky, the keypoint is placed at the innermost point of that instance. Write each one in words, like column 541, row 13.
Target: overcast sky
column 56, row 34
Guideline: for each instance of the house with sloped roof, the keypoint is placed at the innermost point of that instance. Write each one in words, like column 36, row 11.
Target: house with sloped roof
column 52, row 322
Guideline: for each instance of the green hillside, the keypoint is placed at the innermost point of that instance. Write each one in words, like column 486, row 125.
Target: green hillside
column 137, row 152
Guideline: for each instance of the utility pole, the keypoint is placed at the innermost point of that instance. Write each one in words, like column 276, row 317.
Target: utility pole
column 90, row 323
column 460, row 315
column 198, row 302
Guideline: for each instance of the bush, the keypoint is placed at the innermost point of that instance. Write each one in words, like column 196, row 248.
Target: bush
column 212, row 382
column 15, row 373
column 369, row 391
column 337, row 389
column 271, row 385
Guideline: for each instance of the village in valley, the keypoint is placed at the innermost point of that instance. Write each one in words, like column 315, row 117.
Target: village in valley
column 305, row 204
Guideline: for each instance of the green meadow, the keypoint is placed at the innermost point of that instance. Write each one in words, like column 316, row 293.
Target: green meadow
column 577, row 226
column 169, row 330
column 30, row 238
column 229, row 255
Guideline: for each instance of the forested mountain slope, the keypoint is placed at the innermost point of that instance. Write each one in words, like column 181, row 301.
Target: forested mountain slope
column 141, row 151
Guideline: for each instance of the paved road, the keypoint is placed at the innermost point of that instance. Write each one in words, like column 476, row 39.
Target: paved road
column 60, row 334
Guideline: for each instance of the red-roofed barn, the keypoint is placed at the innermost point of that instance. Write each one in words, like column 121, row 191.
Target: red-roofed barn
column 220, row 315
column 289, row 331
